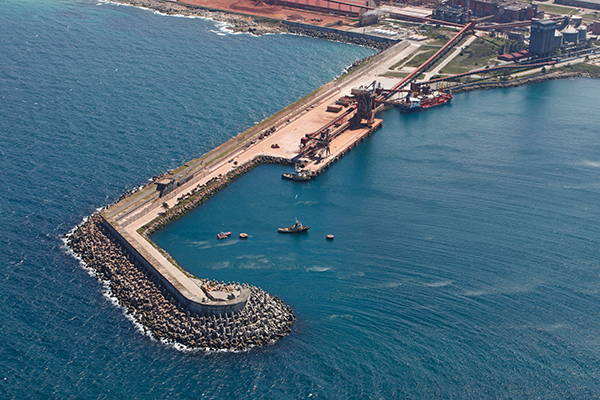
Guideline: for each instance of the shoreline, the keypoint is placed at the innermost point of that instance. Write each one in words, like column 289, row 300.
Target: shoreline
column 246, row 23
column 538, row 78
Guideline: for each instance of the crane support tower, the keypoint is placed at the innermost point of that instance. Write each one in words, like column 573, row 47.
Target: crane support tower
column 365, row 103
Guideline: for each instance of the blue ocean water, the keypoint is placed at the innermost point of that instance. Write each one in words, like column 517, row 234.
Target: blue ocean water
column 465, row 263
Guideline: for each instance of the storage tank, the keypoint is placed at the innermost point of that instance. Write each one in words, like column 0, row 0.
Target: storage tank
column 558, row 39
column 582, row 32
column 570, row 35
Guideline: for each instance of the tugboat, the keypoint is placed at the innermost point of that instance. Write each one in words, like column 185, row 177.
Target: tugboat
column 296, row 228
column 300, row 175
column 223, row 235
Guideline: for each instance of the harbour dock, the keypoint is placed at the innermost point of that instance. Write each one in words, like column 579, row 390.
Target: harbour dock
column 278, row 138
column 310, row 134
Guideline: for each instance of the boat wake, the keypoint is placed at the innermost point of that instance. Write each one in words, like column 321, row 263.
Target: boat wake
column 595, row 164
column 318, row 269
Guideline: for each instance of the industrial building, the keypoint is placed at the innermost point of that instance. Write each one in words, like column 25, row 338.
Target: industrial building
column 570, row 35
column 541, row 42
column 558, row 39
column 504, row 11
column 582, row 32
column 545, row 37
column 371, row 17
column 350, row 8
column 455, row 14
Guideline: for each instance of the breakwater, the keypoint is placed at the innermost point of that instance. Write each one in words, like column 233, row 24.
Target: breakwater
column 256, row 318
column 263, row 320
column 338, row 35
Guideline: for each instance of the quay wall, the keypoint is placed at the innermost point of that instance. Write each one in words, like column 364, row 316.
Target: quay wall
column 179, row 293
column 205, row 193
column 376, row 125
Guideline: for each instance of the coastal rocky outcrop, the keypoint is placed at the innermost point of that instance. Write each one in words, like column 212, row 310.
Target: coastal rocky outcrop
column 263, row 320
column 235, row 22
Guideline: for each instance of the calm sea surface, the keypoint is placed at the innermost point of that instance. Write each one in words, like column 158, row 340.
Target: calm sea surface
column 466, row 255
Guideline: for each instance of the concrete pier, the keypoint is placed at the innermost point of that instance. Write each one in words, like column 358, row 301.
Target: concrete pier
column 342, row 144
column 279, row 138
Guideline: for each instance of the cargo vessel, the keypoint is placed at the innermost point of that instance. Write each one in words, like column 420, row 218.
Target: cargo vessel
column 423, row 102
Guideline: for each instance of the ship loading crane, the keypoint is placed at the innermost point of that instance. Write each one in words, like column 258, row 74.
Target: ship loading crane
column 311, row 143
column 360, row 113
column 368, row 99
